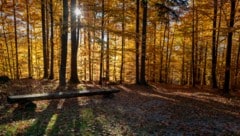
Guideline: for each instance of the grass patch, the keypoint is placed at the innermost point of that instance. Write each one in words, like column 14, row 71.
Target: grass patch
column 51, row 124
column 87, row 122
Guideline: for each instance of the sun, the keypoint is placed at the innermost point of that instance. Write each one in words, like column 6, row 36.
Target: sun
column 77, row 11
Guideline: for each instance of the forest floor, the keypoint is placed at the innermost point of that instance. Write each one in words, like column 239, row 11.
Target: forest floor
column 157, row 109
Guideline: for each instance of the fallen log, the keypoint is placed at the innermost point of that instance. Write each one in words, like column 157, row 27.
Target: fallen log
column 22, row 99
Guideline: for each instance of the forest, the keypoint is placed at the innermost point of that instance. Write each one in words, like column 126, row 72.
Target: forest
column 176, row 64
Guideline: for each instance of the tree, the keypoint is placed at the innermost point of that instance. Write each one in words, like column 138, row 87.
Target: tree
column 137, row 39
column 102, row 43
column 51, row 76
column 64, row 41
column 74, row 45
column 229, row 47
column 44, row 40
column 193, row 70
column 123, row 42
column 16, row 38
column 214, row 57
column 144, row 39
column 28, row 43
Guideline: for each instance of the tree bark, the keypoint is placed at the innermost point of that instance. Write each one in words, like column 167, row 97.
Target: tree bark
column 229, row 48
column 51, row 76
column 137, row 41
column 193, row 72
column 44, row 42
column 28, row 43
column 144, row 39
column 102, row 44
column 74, row 45
column 16, row 39
column 123, row 42
column 214, row 57
column 108, row 58
column 64, row 41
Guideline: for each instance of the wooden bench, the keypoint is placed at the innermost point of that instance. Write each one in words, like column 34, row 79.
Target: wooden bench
column 24, row 100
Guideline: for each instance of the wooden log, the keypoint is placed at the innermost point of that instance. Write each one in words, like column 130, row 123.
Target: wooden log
column 58, row 95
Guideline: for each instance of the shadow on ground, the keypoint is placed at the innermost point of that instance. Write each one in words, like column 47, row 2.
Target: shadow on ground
column 136, row 110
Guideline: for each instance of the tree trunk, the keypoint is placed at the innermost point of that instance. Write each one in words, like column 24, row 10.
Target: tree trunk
column 183, row 81
column 115, row 59
column 28, row 43
column 51, row 76
column 193, row 72
column 89, row 56
column 161, row 54
column 102, row 44
column 144, row 39
column 167, row 54
column 123, row 42
column 64, row 41
column 74, row 45
column 214, row 57
column 16, row 39
column 229, row 48
column 44, row 42
column 137, row 41
column 205, row 65
column 107, row 59
column 218, row 36
column 154, row 51
column 237, row 64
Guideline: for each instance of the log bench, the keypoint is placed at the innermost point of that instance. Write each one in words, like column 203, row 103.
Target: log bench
column 26, row 100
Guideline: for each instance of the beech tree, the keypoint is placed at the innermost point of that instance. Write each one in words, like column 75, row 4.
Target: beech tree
column 229, row 46
column 64, row 41
column 74, row 45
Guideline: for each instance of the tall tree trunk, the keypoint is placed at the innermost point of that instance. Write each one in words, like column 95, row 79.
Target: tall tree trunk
column 154, row 51
column 28, row 43
column 144, row 39
column 229, row 47
column 161, row 54
column 205, row 65
column 137, row 41
column 89, row 56
column 167, row 53
column 115, row 59
column 102, row 44
column 64, row 41
column 16, row 39
column 218, row 36
column 94, row 40
column 214, row 57
column 44, row 42
column 47, row 37
column 74, row 45
column 237, row 64
column 51, row 76
column 193, row 72
column 123, row 42
column 183, row 81
column 107, row 58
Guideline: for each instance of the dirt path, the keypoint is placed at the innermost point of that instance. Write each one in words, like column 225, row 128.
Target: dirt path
column 136, row 110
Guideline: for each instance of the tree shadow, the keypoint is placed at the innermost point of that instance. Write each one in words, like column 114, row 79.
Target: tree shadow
column 185, row 112
column 42, row 120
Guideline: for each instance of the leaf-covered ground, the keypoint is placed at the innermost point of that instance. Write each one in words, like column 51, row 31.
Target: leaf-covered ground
column 136, row 110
